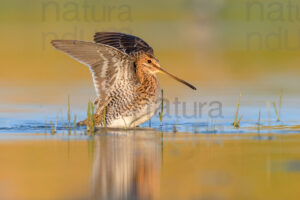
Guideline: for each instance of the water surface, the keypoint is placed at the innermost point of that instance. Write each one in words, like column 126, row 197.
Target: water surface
column 189, row 157
column 150, row 165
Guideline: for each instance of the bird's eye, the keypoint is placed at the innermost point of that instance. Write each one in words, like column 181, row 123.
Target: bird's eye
column 149, row 61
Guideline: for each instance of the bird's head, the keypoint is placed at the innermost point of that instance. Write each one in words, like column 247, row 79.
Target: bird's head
column 151, row 65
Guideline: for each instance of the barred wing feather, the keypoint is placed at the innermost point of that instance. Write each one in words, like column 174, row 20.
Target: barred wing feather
column 107, row 64
column 126, row 43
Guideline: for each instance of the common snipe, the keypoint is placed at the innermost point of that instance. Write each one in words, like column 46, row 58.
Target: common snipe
column 124, row 73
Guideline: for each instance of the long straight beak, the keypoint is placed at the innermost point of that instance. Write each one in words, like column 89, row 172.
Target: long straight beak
column 176, row 78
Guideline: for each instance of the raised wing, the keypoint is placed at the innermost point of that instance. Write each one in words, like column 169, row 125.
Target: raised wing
column 107, row 64
column 129, row 44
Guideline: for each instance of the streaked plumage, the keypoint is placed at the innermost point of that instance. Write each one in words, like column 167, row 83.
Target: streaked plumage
column 123, row 69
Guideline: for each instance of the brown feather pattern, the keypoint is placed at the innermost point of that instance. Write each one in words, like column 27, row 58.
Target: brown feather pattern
column 123, row 90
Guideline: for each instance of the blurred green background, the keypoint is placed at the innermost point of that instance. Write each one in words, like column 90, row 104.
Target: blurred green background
column 212, row 44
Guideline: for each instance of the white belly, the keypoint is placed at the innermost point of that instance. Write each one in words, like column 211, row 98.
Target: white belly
column 134, row 120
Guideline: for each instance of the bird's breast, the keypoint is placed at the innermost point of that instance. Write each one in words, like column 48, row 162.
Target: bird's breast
column 132, row 108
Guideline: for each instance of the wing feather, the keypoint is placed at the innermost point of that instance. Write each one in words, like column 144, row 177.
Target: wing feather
column 107, row 64
column 128, row 44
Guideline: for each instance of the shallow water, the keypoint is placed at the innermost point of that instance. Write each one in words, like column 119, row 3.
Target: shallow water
column 205, row 158
column 150, row 165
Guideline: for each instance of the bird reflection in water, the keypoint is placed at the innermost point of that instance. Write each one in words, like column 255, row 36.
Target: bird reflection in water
column 126, row 166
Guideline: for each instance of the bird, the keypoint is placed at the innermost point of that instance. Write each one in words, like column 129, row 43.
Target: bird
column 124, row 71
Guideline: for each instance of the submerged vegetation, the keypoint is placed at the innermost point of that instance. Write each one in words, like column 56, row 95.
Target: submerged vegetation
column 237, row 119
column 161, row 113
column 278, row 110
column 73, row 125
column 53, row 128
column 90, row 123
column 174, row 129
column 259, row 118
